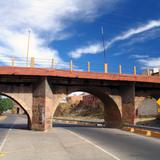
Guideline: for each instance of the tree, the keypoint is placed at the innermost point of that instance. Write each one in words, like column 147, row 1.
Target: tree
column 5, row 104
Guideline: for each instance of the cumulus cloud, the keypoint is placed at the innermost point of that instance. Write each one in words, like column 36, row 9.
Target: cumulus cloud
column 139, row 56
column 124, row 36
column 150, row 62
column 47, row 20
column 91, row 49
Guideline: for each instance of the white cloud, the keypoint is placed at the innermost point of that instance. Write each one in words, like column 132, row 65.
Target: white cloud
column 145, row 27
column 150, row 62
column 91, row 49
column 139, row 56
column 124, row 36
column 47, row 19
column 142, row 37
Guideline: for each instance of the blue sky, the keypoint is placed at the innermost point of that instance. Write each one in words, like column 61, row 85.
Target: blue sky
column 71, row 29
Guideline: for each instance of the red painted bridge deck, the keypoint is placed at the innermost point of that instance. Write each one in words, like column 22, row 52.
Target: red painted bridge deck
column 27, row 71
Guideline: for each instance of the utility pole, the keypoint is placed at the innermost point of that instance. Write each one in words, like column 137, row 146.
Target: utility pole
column 104, row 50
column 29, row 32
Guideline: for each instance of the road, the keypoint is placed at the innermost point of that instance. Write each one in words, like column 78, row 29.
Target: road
column 72, row 142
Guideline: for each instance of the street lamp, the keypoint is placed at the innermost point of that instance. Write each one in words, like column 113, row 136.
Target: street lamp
column 104, row 50
column 29, row 32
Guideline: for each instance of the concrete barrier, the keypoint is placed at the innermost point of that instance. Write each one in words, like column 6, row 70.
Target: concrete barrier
column 141, row 131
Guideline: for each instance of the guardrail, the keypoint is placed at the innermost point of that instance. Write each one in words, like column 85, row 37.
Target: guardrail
column 71, row 65
column 80, row 122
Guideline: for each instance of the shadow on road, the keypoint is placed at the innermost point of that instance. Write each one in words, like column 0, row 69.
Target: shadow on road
column 14, row 121
column 16, row 126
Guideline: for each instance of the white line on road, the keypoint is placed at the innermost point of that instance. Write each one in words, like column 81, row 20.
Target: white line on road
column 95, row 145
column 5, row 139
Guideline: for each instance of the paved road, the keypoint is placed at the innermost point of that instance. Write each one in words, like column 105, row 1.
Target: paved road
column 73, row 142
column 5, row 125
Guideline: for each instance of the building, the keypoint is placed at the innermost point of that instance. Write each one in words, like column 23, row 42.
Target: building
column 90, row 100
column 74, row 99
column 148, row 108
column 152, row 71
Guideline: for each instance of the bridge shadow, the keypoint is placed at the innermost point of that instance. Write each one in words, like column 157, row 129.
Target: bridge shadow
column 16, row 126
column 13, row 121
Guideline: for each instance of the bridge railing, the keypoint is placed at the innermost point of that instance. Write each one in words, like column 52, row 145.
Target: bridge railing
column 71, row 65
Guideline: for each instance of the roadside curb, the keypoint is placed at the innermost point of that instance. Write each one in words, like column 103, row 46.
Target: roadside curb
column 140, row 131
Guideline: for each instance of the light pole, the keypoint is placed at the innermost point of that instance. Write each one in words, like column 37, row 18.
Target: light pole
column 29, row 32
column 104, row 50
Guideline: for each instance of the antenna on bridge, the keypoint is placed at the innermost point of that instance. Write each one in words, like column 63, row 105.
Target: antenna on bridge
column 104, row 50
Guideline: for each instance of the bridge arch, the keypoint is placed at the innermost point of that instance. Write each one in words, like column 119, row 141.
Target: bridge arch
column 112, row 114
column 22, row 104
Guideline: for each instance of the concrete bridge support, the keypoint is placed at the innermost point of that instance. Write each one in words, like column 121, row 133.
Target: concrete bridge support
column 42, row 105
column 128, row 103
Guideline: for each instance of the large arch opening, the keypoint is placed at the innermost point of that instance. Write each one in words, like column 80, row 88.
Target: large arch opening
column 13, row 114
column 90, row 105
column 147, row 112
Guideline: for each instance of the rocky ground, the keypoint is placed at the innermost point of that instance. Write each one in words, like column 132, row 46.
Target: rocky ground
column 79, row 111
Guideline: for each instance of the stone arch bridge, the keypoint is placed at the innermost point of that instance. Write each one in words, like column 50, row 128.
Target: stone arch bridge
column 39, row 91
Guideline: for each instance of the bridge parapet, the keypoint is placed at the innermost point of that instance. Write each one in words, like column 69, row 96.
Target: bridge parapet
column 70, row 66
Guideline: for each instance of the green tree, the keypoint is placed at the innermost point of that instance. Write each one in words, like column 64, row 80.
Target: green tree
column 5, row 104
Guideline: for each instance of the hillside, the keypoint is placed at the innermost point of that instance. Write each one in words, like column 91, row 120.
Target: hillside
column 80, row 110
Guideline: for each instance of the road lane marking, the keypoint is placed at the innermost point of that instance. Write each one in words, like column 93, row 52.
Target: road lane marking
column 6, row 137
column 4, row 140
column 95, row 145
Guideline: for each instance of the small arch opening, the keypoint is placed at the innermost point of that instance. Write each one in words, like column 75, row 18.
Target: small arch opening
column 12, row 114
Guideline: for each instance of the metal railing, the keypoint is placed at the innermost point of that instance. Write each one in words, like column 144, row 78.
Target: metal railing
column 71, row 65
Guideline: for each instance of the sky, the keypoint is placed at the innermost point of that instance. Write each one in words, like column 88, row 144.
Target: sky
column 66, row 30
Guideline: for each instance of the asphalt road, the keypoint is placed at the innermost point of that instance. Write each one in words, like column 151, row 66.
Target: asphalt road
column 72, row 142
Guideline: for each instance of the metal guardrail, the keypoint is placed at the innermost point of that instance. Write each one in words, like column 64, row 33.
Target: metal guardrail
column 71, row 65
column 80, row 121
column 52, row 63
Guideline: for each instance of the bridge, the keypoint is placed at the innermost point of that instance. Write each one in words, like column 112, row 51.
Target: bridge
column 39, row 90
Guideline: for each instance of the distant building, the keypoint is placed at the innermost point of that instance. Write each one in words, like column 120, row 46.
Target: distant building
column 152, row 71
column 90, row 100
column 148, row 108
column 83, row 98
column 74, row 99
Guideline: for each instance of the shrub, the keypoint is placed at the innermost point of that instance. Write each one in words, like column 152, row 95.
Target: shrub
column 5, row 104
